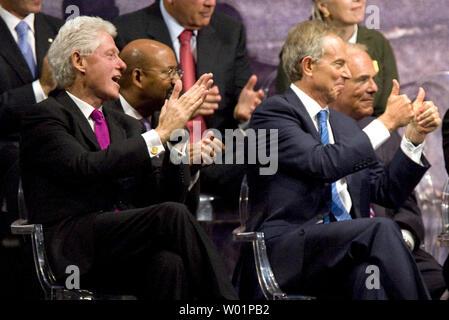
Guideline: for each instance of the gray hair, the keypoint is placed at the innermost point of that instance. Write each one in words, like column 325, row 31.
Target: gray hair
column 78, row 34
column 303, row 40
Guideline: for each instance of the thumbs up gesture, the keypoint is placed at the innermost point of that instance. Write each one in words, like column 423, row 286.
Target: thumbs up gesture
column 426, row 120
column 399, row 110
column 248, row 100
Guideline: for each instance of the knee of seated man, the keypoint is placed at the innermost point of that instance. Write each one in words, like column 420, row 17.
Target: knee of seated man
column 386, row 225
column 175, row 210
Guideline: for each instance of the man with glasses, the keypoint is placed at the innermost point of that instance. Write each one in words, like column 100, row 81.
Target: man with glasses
column 145, row 85
column 204, row 41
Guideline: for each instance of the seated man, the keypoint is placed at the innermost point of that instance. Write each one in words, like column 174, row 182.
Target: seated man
column 356, row 101
column 92, row 179
column 314, row 209
column 151, row 74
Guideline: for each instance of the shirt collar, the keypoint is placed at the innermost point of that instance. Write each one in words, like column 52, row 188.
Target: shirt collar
column 312, row 107
column 84, row 107
column 12, row 21
column 129, row 110
column 353, row 38
column 174, row 28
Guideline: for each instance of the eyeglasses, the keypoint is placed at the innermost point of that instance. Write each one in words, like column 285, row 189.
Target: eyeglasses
column 170, row 72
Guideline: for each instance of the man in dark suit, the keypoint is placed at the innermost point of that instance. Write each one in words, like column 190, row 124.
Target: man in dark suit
column 313, row 210
column 23, row 82
column 151, row 74
column 218, row 45
column 97, row 183
column 356, row 101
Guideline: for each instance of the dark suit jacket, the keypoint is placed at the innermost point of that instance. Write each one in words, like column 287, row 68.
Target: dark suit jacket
column 67, row 179
column 16, row 78
column 300, row 192
column 380, row 50
column 408, row 216
column 186, row 172
column 445, row 133
column 221, row 49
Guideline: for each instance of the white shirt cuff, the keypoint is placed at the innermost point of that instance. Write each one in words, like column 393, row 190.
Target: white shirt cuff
column 39, row 94
column 377, row 133
column 408, row 238
column 412, row 151
column 154, row 144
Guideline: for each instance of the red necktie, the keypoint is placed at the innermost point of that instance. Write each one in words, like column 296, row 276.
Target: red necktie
column 188, row 80
column 100, row 128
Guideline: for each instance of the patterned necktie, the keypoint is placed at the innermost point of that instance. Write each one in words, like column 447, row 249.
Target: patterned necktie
column 22, row 31
column 337, row 208
column 101, row 129
column 196, row 126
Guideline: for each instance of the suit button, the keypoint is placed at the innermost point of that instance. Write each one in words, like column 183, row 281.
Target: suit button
column 154, row 150
column 301, row 232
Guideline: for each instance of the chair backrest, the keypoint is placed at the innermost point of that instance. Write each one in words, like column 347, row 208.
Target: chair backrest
column 44, row 273
column 265, row 276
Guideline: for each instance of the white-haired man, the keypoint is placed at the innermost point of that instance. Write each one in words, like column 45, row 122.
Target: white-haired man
column 90, row 177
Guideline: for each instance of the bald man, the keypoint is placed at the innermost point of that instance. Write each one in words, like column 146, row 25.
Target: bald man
column 151, row 74
column 356, row 101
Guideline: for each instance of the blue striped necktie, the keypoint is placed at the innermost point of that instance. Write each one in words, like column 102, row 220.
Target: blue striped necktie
column 22, row 31
column 337, row 208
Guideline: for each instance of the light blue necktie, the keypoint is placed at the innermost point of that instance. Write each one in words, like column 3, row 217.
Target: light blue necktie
column 22, row 30
column 337, row 208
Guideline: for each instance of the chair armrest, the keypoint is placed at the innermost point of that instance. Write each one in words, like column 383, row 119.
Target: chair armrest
column 21, row 226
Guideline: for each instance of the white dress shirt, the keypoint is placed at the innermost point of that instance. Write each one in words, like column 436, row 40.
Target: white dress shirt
column 376, row 132
column 11, row 22
column 175, row 29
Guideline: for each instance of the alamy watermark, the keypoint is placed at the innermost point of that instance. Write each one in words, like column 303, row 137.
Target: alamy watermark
column 373, row 280
column 372, row 20
column 252, row 147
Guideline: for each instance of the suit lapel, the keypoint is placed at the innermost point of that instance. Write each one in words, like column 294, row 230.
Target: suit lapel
column 12, row 54
column 293, row 99
column 116, row 132
column 85, row 128
column 157, row 29
column 208, row 49
column 43, row 38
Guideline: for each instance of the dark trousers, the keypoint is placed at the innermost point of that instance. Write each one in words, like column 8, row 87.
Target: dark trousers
column 336, row 260
column 432, row 273
column 158, row 252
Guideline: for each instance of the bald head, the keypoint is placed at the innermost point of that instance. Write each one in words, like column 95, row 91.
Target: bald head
column 149, row 78
column 144, row 54
column 357, row 97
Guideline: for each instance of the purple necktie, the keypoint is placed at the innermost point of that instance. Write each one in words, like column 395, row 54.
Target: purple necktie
column 100, row 128
column 146, row 123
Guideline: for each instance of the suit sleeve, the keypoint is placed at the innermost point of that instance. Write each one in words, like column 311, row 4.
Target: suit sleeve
column 46, row 139
column 445, row 132
column 12, row 103
column 301, row 154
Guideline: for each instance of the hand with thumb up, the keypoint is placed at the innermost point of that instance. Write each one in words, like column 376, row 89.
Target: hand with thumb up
column 426, row 119
column 399, row 110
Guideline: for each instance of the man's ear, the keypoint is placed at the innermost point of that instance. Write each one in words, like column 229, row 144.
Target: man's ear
column 78, row 62
column 136, row 77
column 307, row 65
